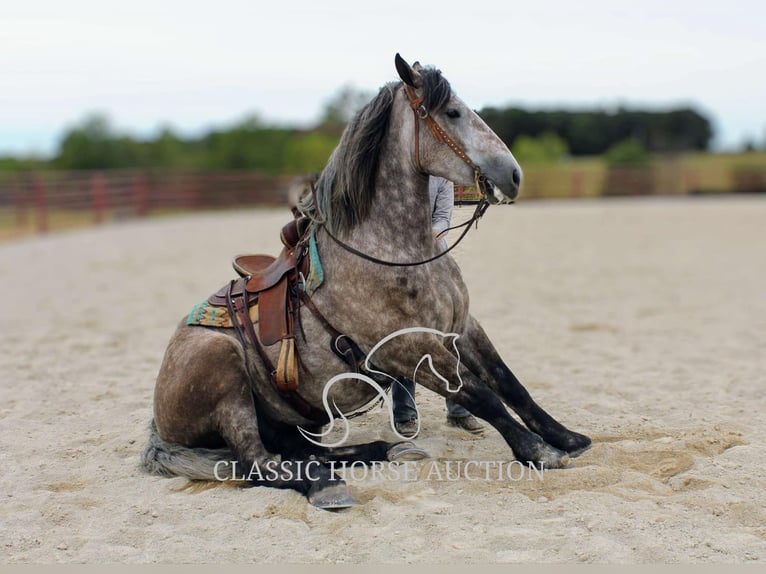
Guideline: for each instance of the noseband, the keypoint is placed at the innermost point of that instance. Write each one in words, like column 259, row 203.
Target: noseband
column 480, row 180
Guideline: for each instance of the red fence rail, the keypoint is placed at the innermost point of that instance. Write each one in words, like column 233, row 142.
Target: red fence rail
column 38, row 202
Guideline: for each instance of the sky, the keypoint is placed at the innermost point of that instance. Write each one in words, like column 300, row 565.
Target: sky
column 195, row 65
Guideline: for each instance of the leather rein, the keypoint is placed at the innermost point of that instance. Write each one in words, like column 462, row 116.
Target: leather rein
column 480, row 180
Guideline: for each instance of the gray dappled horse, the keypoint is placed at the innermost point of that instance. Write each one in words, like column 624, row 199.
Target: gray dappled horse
column 214, row 398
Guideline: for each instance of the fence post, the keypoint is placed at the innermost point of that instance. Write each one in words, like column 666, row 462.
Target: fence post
column 41, row 204
column 21, row 211
column 140, row 195
column 98, row 195
column 193, row 193
column 691, row 181
column 578, row 179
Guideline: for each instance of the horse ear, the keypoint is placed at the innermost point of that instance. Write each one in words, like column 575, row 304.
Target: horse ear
column 408, row 75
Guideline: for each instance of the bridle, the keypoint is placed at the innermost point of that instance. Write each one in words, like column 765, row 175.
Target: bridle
column 421, row 113
column 481, row 182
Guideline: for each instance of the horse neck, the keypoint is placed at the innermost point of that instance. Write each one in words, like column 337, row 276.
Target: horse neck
column 399, row 223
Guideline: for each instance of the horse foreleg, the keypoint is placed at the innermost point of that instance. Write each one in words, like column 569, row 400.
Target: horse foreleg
column 476, row 396
column 480, row 356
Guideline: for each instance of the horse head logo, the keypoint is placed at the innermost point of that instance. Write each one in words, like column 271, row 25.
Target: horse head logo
column 450, row 338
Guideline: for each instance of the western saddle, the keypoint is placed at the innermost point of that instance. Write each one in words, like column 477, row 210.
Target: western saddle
column 277, row 286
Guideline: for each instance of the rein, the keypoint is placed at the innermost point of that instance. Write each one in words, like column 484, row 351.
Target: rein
column 480, row 180
column 480, row 209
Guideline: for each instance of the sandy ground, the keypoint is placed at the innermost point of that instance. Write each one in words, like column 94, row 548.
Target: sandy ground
column 639, row 322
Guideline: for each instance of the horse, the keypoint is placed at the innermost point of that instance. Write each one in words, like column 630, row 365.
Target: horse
column 215, row 399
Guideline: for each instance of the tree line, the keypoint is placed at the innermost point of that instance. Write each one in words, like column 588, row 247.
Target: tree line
column 249, row 144
column 533, row 135
column 594, row 132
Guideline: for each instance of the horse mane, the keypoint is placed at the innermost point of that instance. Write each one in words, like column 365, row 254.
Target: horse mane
column 345, row 190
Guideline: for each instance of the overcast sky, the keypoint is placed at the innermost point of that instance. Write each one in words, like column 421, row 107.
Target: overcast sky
column 193, row 65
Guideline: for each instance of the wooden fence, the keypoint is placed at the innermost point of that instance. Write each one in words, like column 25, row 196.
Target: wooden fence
column 39, row 202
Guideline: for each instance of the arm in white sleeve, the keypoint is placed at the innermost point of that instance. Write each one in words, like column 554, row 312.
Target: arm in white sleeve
column 443, row 200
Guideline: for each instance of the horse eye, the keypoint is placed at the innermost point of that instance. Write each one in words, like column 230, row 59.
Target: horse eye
column 453, row 113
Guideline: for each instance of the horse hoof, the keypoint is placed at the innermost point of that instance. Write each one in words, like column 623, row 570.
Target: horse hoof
column 579, row 451
column 332, row 498
column 549, row 457
column 575, row 444
column 403, row 451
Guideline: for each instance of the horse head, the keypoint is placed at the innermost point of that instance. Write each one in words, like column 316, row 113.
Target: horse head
column 453, row 141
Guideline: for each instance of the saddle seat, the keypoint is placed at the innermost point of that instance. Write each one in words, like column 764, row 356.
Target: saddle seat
column 248, row 265
column 264, row 271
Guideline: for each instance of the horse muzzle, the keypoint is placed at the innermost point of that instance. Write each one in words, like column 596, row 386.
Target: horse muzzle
column 502, row 183
column 498, row 195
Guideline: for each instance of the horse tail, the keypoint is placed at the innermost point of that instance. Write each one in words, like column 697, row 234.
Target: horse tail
column 170, row 459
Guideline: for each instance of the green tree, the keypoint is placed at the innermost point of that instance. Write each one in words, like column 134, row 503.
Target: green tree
column 548, row 147
column 87, row 145
column 11, row 164
column 629, row 152
column 250, row 144
column 168, row 150
column 94, row 144
column 309, row 153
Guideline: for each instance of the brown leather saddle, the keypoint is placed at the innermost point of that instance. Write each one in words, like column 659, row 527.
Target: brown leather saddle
column 268, row 282
column 276, row 285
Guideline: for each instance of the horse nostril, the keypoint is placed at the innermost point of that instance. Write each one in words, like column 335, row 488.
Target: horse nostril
column 516, row 176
